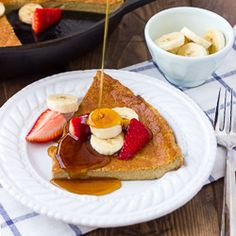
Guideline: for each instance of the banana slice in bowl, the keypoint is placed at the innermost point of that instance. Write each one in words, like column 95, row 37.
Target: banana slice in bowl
column 170, row 41
column 195, row 38
column 192, row 50
column 216, row 38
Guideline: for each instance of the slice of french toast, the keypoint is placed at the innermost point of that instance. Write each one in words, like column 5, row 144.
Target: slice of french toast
column 160, row 155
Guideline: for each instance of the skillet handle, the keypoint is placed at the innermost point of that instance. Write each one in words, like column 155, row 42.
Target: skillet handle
column 131, row 5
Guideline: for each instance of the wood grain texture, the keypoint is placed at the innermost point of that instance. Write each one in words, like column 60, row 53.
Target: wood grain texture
column 126, row 46
column 225, row 8
column 199, row 217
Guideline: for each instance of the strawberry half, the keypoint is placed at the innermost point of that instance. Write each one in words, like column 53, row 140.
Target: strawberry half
column 78, row 127
column 43, row 18
column 137, row 136
column 47, row 127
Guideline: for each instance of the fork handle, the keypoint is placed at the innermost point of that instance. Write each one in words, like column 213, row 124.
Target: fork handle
column 228, row 224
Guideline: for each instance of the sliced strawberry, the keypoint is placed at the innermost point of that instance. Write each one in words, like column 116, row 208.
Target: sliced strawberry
column 78, row 127
column 43, row 18
column 47, row 127
column 137, row 136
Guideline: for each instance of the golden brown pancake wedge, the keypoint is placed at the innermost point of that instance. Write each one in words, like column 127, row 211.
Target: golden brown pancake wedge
column 159, row 156
column 7, row 35
column 97, row 6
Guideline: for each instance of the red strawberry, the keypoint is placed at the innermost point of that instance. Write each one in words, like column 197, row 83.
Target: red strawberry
column 47, row 127
column 43, row 18
column 137, row 136
column 78, row 127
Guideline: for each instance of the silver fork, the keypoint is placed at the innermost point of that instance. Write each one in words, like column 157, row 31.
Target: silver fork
column 226, row 137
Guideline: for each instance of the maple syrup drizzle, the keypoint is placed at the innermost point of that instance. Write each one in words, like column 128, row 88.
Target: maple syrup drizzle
column 103, row 53
column 91, row 186
column 78, row 156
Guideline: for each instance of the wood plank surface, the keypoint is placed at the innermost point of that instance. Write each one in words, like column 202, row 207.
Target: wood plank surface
column 225, row 8
column 126, row 46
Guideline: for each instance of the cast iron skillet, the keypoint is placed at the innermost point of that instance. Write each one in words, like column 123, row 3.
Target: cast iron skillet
column 76, row 33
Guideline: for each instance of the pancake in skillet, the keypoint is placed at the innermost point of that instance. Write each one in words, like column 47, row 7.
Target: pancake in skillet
column 7, row 35
column 159, row 156
column 97, row 6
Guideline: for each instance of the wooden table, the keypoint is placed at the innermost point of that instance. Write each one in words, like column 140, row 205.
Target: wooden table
column 126, row 46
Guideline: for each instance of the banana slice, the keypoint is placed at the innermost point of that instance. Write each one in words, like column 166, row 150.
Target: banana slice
column 216, row 38
column 126, row 113
column 174, row 50
column 63, row 103
column 195, row 38
column 107, row 146
column 192, row 50
column 26, row 12
column 106, row 133
column 170, row 41
column 2, row 9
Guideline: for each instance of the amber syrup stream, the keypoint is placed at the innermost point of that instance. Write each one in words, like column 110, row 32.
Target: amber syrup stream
column 94, row 186
column 103, row 54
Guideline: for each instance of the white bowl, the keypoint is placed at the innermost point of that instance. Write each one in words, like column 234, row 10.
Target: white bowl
column 186, row 71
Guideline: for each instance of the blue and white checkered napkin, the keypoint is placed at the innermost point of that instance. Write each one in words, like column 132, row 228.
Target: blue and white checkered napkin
column 18, row 220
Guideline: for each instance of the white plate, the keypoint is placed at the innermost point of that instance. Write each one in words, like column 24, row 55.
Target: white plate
column 25, row 168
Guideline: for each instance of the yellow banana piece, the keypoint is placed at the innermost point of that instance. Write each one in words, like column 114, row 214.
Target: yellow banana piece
column 170, row 41
column 192, row 50
column 195, row 38
column 216, row 38
column 2, row 9
column 107, row 146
